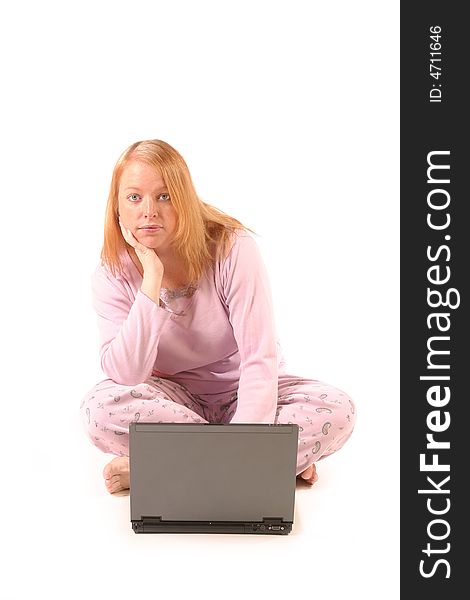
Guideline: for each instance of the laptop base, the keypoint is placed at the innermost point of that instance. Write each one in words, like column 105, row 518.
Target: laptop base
column 266, row 527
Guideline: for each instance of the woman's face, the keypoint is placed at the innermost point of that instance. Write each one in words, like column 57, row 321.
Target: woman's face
column 145, row 206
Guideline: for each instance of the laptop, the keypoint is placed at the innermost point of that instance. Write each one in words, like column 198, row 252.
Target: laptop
column 212, row 478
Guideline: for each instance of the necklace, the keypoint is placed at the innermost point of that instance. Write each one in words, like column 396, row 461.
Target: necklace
column 167, row 296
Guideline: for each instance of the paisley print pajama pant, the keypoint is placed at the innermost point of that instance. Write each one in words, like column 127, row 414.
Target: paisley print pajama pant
column 325, row 414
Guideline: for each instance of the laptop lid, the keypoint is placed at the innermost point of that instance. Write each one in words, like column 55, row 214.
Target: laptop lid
column 212, row 477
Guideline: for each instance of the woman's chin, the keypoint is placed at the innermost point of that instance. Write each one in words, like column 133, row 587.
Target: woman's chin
column 148, row 241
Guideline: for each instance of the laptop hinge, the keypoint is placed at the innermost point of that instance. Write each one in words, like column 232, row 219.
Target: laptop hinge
column 145, row 523
column 273, row 520
column 274, row 523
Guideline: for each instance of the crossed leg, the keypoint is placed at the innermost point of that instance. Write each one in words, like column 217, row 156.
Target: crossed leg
column 325, row 416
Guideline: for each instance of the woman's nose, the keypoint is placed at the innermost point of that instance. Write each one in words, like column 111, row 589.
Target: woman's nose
column 150, row 207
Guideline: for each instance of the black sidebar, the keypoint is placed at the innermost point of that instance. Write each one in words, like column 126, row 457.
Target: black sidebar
column 434, row 306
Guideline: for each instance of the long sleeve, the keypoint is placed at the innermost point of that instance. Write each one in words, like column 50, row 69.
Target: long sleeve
column 129, row 328
column 248, row 298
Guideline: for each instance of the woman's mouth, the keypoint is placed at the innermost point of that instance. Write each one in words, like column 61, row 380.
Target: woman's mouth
column 150, row 228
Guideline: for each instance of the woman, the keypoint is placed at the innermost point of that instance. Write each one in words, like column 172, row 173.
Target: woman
column 186, row 322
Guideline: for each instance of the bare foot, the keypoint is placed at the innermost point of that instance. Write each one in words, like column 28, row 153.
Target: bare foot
column 309, row 475
column 116, row 474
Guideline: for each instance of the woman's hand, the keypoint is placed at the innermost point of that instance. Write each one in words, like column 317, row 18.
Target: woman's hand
column 152, row 266
column 147, row 256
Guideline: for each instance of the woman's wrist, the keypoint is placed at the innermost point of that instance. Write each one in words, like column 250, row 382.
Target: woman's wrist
column 151, row 288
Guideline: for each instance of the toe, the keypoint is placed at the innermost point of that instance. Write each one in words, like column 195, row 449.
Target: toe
column 116, row 474
column 307, row 473
column 109, row 470
column 113, row 484
column 115, row 487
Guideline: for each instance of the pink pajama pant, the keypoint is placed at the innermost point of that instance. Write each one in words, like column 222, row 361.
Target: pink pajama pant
column 325, row 414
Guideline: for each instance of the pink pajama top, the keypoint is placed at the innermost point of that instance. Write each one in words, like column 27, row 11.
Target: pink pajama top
column 219, row 340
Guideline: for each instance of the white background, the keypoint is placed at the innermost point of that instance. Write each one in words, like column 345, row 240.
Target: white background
column 287, row 115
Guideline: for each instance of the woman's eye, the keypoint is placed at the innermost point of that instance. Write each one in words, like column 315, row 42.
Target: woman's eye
column 133, row 197
column 164, row 197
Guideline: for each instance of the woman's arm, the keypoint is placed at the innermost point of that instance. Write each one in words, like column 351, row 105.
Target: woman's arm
column 248, row 298
column 129, row 329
